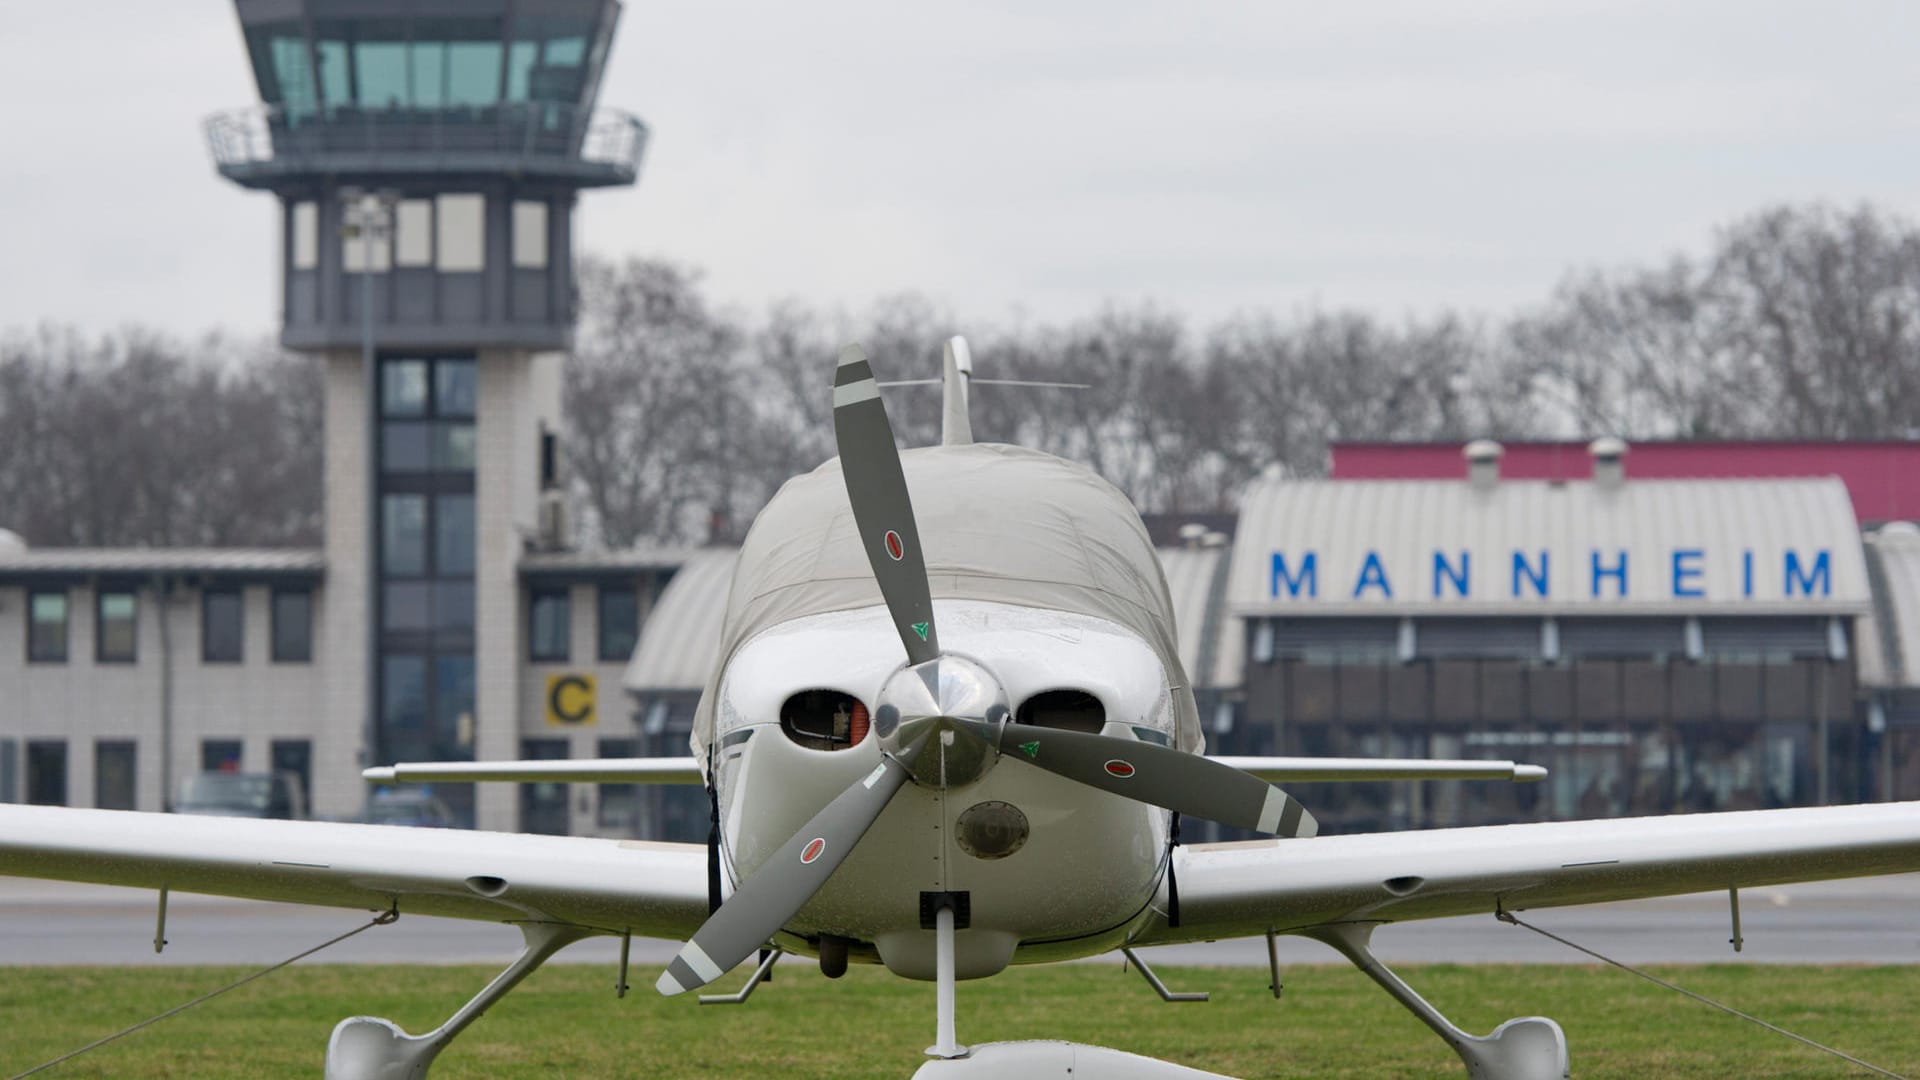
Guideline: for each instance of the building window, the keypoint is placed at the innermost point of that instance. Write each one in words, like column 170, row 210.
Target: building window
column 620, row 803
column 9, row 770
column 113, row 774
column 305, row 225
column 222, row 629
column 461, row 238
column 619, row 622
column 295, row 756
column 543, row 807
column 403, row 535
column 354, row 249
column 403, row 388
column 453, row 535
column 220, row 755
column 47, row 630
column 413, row 233
column 47, row 772
column 549, row 616
column 292, row 626
column 529, row 235
column 117, row 632
column 454, row 388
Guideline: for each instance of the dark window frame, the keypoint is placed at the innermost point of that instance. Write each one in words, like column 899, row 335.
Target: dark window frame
column 101, row 748
column 36, row 747
column 560, row 652
column 601, row 595
column 274, row 618
column 239, row 597
column 66, row 627
column 100, row 654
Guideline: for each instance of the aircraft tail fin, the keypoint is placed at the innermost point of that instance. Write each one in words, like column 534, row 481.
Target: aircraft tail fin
column 956, row 375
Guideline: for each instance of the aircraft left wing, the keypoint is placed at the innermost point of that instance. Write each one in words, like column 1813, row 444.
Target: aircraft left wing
column 650, row 889
column 1243, row 889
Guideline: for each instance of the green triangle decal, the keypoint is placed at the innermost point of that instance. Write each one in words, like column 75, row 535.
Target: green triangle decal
column 1031, row 749
column 921, row 629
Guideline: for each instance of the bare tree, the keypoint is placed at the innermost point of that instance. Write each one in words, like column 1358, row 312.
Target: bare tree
column 134, row 439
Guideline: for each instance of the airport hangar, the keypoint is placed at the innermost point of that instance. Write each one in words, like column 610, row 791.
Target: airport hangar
column 1667, row 636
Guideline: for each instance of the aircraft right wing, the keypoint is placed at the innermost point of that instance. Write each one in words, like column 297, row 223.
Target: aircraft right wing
column 1286, row 886
column 614, row 886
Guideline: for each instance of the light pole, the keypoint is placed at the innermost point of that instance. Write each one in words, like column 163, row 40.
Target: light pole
column 368, row 215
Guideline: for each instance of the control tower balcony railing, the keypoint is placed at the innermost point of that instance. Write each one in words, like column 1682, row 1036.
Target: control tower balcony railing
column 264, row 146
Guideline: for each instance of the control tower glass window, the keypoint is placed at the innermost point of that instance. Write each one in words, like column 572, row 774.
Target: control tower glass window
column 283, row 68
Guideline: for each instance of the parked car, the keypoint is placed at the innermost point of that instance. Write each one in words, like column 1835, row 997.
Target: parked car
column 238, row 794
column 417, row 808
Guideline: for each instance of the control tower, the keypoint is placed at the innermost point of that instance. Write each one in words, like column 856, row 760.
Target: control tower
column 427, row 156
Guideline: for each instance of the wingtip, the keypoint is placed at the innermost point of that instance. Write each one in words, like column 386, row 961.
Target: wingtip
column 668, row 985
column 379, row 774
column 852, row 354
column 1527, row 774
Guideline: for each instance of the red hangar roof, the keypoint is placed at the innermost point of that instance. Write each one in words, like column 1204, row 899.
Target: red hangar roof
column 1882, row 477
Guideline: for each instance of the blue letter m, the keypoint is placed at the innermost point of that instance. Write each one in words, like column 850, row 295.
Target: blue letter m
column 1308, row 576
column 1805, row 580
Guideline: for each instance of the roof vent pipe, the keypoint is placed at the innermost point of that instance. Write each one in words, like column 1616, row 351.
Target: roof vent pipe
column 1483, row 463
column 1609, row 462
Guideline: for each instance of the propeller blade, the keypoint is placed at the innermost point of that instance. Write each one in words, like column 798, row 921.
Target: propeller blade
column 1158, row 775
column 784, row 884
column 881, row 509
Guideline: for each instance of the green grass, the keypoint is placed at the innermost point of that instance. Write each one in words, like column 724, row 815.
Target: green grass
column 565, row 1022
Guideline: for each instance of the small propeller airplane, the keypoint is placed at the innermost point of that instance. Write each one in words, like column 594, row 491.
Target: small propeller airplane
column 948, row 759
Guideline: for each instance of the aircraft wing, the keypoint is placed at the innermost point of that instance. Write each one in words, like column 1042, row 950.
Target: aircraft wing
column 651, row 889
column 1238, row 889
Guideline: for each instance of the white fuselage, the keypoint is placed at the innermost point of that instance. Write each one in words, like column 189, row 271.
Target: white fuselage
column 1086, row 872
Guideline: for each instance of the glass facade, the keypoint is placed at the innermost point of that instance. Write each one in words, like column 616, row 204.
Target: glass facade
column 426, row 564
column 1627, row 716
column 446, row 64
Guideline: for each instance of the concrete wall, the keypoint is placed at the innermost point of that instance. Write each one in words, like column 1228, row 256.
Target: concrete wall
column 343, row 632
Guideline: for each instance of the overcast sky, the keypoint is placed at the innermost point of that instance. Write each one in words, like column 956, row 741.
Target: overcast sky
column 1032, row 161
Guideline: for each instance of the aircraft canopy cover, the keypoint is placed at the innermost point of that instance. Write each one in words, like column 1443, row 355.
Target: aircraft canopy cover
column 999, row 523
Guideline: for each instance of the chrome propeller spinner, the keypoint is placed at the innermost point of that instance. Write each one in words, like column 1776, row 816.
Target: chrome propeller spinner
column 930, row 717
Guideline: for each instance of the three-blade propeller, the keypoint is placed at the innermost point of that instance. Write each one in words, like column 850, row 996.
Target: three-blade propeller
column 883, row 514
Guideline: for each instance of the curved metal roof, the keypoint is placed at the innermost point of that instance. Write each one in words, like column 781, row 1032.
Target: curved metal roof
column 53, row 561
column 1889, row 642
column 681, row 636
column 1773, row 546
column 1209, row 640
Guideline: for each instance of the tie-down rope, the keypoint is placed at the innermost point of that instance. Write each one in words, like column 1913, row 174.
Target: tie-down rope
column 1506, row 916
column 381, row 919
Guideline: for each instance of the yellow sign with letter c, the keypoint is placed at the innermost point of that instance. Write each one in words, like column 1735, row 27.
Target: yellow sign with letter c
column 570, row 700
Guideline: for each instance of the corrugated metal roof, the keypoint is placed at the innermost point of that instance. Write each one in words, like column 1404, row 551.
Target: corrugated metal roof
column 50, row 561
column 1205, row 633
column 572, row 562
column 1890, row 649
column 1380, row 546
column 682, row 634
